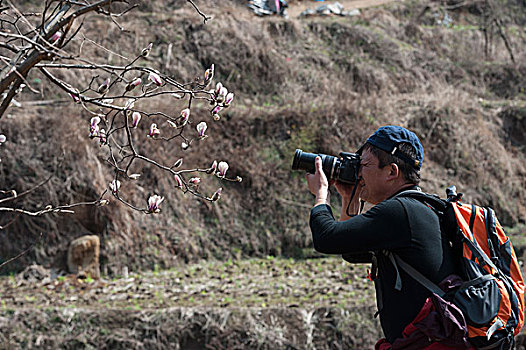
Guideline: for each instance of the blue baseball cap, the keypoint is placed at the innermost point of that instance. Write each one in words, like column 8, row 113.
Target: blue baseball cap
column 388, row 138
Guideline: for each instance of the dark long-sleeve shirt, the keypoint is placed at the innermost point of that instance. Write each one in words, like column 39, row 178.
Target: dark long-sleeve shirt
column 403, row 226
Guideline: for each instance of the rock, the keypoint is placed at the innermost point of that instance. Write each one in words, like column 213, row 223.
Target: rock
column 34, row 273
column 83, row 256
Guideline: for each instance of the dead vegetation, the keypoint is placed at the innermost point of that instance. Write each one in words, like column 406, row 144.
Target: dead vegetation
column 319, row 84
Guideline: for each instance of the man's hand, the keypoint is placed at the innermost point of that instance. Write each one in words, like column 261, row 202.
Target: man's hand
column 318, row 184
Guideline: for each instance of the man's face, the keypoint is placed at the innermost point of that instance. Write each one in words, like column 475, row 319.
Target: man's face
column 374, row 184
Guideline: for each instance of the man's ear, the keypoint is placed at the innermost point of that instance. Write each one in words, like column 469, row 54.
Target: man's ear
column 393, row 171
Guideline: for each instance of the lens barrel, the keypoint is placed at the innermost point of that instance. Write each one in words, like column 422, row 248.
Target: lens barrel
column 305, row 161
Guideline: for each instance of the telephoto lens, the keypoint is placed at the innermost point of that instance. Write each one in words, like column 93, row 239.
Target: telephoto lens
column 305, row 161
column 344, row 168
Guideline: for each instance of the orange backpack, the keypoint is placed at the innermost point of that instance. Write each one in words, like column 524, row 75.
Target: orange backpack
column 491, row 297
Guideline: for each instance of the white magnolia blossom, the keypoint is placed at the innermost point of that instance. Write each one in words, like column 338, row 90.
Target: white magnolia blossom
column 195, row 181
column 228, row 99
column 154, row 131
column 155, row 78
column 178, row 181
column 115, row 185
column 217, row 194
column 136, row 118
column 3, row 138
column 154, row 202
column 201, row 129
column 134, row 176
column 184, row 145
column 222, row 167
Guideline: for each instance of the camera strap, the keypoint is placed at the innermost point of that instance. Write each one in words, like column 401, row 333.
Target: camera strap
column 362, row 203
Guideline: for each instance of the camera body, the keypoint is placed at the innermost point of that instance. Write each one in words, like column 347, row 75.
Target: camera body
column 344, row 168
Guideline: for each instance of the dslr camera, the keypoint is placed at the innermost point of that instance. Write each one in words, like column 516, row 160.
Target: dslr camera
column 343, row 168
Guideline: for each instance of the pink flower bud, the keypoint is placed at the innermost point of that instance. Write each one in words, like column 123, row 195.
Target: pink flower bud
column 155, row 78
column 222, row 167
column 94, row 131
column 219, row 86
column 201, row 129
column 183, row 118
column 104, row 86
column 146, row 51
column 154, row 202
column 115, row 185
column 195, row 181
column 102, row 137
column 228, row 99
column 54, row 38
column 2, row 138
column 133, row 84
column 217, row 109
column 209, row 74
column 154, row 131
column 136, row 118
column 95, row 121
column 216, row 195
column 214, row 166
column 178, row 181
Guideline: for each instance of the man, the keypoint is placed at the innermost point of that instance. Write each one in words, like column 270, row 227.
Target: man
column 391, row 160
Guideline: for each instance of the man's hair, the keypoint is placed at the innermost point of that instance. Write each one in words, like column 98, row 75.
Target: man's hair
column 410, row 174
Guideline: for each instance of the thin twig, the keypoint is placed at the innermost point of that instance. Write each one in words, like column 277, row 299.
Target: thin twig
column 23, row 252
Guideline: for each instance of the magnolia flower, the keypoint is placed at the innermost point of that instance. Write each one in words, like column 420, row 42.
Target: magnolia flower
column 201, row 128
column 184, row 145
column 146, row 51
column 172, row 124
column 54, row 38
column 216, row 195
column 222, row 167
column 154, row 131
column 104, row 86
column 209, row 74
column 239, row 178
column 95, row 121
column 184, row 116
column 219, row 86
column 94, row 130
column 212, row 168
column 114, row 186
column 178, row 181
column 221, row 94
column 2, row 138
column 155, row 78
column 217, row 109
column 136, row 118
column 133, row 84
column 178, row 163
column 228, row 99
column 134, row 176
column 154, row 202
column 195, row 181
column 102, row 136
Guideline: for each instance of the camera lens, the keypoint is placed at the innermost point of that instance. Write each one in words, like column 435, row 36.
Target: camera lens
column 305, row 161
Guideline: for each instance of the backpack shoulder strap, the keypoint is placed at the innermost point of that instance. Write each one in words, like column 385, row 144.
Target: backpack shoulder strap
column 432, row 200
